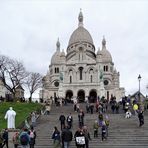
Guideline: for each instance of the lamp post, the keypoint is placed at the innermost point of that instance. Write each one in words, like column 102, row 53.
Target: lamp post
column 140, row 102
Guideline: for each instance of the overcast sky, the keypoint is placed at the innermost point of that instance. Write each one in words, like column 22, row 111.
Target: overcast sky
column 29, row 30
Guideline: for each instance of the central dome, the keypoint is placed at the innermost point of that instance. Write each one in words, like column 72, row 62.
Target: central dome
column 80, row 34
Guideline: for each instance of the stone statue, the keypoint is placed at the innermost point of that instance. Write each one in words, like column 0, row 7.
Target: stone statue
column 100, row 74
column 10, row 116
column 61, row 76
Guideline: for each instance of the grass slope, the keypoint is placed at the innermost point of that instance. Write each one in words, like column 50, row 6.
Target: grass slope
column 22, row 112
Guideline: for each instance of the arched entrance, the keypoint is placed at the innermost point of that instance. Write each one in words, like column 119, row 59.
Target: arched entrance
column 69, row 95
column 92, row 96
column 81, row 96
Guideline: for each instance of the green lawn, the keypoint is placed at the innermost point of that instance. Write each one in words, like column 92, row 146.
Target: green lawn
column 22, row 112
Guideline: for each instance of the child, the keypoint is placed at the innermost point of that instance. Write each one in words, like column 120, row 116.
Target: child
column 95, row 127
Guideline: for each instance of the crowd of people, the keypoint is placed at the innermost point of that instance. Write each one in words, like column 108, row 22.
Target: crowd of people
column 62, row 138
column 100, row 126
column 24, row 138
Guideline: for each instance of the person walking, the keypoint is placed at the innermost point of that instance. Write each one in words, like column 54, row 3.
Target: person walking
column 33, row 119
column 79, row 138
column 81, row 118
column 15, row 139
column 107, row 122
column 62, row 120
column 69, row 121
column 95, row 127
column 66, row 137
column 5, row 137
column 32, row 135
column 87, row 136
column 24, row 139
column 103, row 130
column 56, row 138
column 141, row 118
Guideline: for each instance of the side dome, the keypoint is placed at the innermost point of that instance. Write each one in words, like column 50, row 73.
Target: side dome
column 80, row 35
column 105, row 54
column 56, row 58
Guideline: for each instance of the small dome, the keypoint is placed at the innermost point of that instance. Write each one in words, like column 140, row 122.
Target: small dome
column 63, row 53
column 105, row 54
column 56, row 58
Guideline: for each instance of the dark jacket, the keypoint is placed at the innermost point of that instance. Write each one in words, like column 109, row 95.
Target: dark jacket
column 5, row 135
column 66, row 135
column 62, row 119
column 56, row 135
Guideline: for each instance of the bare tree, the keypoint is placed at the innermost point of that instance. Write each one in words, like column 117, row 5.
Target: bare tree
column 12, row 73
column 33, row 82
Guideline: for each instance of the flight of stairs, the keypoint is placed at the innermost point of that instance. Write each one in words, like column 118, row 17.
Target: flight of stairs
column 123, row 133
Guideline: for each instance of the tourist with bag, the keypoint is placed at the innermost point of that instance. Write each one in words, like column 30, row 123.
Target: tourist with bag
column 66, row 137
column 56, row 138
column 79, row 138
column 24, row 139
column 32, row 135
column 69, row 121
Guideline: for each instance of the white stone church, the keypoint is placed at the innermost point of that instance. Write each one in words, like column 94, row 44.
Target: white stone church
column 82, row 72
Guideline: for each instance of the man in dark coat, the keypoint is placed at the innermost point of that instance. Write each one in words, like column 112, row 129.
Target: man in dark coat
column 141, row 118
column 66, row 137
column 62, row 120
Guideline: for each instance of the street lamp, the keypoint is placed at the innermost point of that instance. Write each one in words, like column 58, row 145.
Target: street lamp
column 139, row 79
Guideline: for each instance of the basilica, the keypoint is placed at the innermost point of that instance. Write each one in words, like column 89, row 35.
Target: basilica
column 82, row 72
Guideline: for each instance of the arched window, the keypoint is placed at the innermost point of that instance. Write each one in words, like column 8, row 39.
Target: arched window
column 91, row 79
column 55, row 70
column 58, row 70
column 70, row 79
column 81, row 70
column 106, row 68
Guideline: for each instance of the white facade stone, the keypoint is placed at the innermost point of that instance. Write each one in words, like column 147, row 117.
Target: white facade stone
column 81, row 67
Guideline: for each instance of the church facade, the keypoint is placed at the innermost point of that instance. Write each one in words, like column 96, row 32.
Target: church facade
column 82, row 72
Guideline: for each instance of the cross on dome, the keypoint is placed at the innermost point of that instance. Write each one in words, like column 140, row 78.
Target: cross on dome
column 80, row 18
column 58, row 44
column 103, row 42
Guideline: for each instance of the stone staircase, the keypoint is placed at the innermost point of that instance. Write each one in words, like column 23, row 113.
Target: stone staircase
column 123, row 133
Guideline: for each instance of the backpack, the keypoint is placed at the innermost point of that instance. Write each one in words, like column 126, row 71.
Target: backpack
column 107, row 122
column 31, row 134
column 24, row 139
